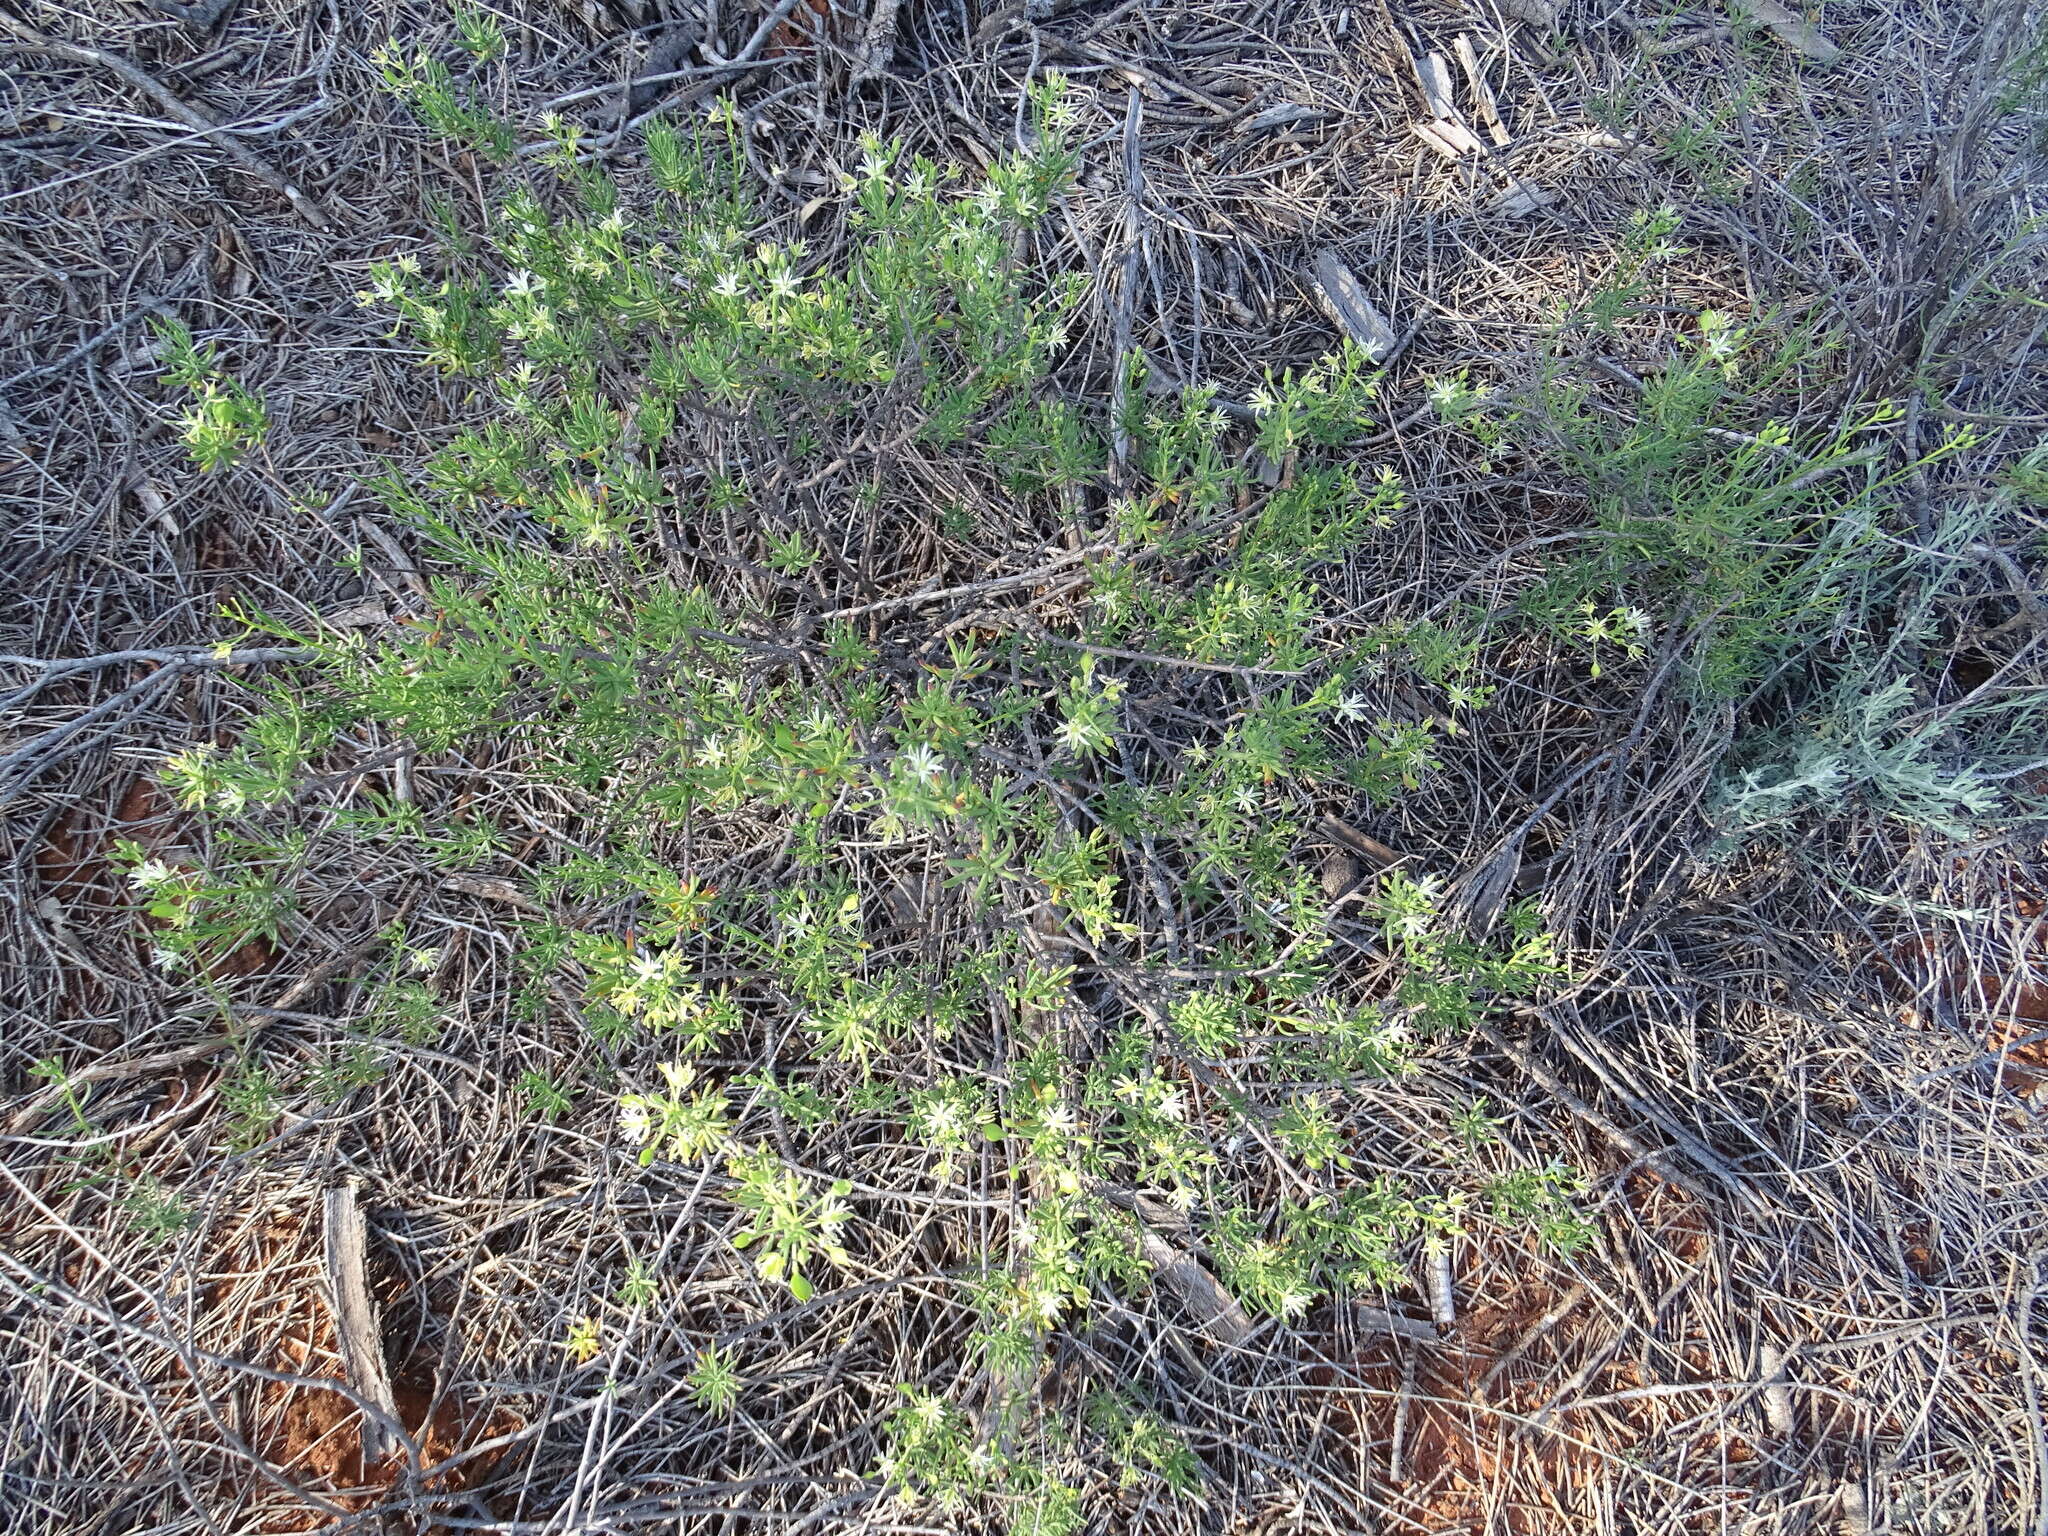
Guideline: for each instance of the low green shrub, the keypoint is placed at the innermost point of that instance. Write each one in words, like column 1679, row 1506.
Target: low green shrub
column 773, row 577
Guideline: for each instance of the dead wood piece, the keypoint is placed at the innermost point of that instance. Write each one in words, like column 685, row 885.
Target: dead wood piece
column 1678, row 42
column 171, row 102
column 1371, row 849
column 1789, row 28
column 878, row 43
column 177, row 656
column 1482, row 93
column 1443, row 1293
column 1214, row 1309
column 142, row 311
column 1427, row 132
column 665, row 61
column 153, row 502
column 1342, row 873
column 1462, row 138
column 1777, row 1395
column 1521, row 200
column 969, row 589
column 400, row 561
column 1287, row 115
column 1179, row 1271
column 1639, row 150
column 1452, row 140
column 1392, row 1324
column 1016, row 12
column 355, row 1319
column 1855, row 1510
column 1433, row 74
column 367, row 615
column 491, row 888
column 1345, row 302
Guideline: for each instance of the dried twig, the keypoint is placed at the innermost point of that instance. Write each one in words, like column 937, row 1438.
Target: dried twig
column 171, row 102
column 1354, row 313
column 355, row 1318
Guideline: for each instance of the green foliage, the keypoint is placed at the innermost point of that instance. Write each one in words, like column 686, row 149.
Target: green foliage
column 155, row 1211
column 199, row 918
column 478, row 33
column 1703, row 145
column 251, row 1096
column 546, row 1098
column 934, row 1456
column 224, row 420
column 1649, row 243
column 639, row 610
column 1450, row 979
column 2028, row 477
column 789, row 1223
column 1141, row 1444
column 1863, row 743
column 1749, row 534
column 1785, row 565
column 715, row 1381
column 639, row 1288
column 933, row 1452
column 584, row 1341
column 354, row 1063
column 675, row 1123
column 1544, row 1198
column 1869, row 730
column 427, row 86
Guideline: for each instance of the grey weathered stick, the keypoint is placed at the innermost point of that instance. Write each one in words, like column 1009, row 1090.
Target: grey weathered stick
column 355, row 1318
column 1447, row 139
column 35, row 756
column 969, row 589
column 1127, row 290
column 1789, row 28
column 1443, row 1294
column 1777, row 1394
column 1482, row 93
column 179, row 656
column 878, row 43
column 1212, row 1307
column 1348, row 306
column 1371, row 1319
column 1370, row 848
column 1855, row 1509
column 1433, row 74
column 1157, row 658
column 174, row 104
column 492, row 888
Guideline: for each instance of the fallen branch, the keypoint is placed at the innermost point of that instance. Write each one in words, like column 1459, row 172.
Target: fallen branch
column 179, row 655
column 355, row 1320
column 183, row 1056
column 1789, row 28
column 1347, row 304
column 171, row 102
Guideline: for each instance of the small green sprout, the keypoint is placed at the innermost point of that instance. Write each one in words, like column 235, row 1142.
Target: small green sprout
column 715, row 1381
